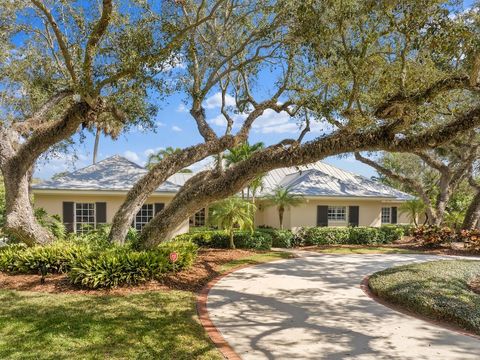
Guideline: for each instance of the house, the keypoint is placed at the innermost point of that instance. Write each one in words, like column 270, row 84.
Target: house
column 333, row 197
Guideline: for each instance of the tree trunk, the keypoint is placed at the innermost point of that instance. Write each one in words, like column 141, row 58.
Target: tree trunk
column 232, row 243
column 95, row 147
column 473, row 213
column 281, row 211
column 20, row 218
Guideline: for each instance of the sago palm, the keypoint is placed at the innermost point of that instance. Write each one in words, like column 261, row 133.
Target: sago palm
column 230, row 213
column 283, row 198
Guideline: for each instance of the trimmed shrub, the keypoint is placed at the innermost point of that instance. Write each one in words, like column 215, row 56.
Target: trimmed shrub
column 392, row 233
column 322, row 236
column 219, row 239
column 280, row 238
column 123, row 266
column 360, row 235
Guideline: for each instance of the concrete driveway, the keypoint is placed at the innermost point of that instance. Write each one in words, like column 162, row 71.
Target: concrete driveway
column 312, row 308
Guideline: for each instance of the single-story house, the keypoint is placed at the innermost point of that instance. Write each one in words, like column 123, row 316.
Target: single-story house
column 333, row 197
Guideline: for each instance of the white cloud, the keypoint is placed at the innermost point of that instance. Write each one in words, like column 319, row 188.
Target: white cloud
column 215, row 101
column 159, row 124
column 182, row 108
column 151, row 151
column 176, row 128
column 131, row 155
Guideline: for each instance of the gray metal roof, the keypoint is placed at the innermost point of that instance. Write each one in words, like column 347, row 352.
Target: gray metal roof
column 321, row 179
column 318, row 179
column 112, row 174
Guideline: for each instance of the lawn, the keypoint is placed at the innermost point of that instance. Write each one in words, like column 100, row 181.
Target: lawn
column 350, row 249
column 145, row 325
column 438, row 289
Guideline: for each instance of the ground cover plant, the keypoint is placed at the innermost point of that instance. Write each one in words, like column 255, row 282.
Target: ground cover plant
column 438, row 289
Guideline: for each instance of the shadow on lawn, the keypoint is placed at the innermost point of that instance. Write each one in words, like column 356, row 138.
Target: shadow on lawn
column 141, row 326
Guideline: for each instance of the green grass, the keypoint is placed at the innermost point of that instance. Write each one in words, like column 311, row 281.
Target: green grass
column 363, row 250
column 437, row 289
column 258, row 258
column 155, row 325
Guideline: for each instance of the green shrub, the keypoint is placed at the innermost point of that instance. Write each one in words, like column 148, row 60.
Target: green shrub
column 360, row 235
column 392, row 233
column 280, row 238
column 123, row 266
column 51, row 222
column 363, row 235
column 52, row 258
column 219, row 239
column 98, row 238
column 322, row 236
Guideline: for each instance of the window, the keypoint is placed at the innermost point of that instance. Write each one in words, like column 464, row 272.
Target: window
column 386, row 215
column 84, row 217
column 337, row 213
column 143, row 217
column 198, row 219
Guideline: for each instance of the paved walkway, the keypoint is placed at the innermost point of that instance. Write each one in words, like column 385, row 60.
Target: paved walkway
column 312, row 308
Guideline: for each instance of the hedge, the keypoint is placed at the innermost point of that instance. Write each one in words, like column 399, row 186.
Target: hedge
column 360, row 235
column 257, row 240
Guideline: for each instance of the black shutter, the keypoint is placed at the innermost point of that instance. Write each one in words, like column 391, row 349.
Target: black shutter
column 322, row 215
column 101, row 212
column 394, row 215
column 353, row 215
column 68, row 215
column 159, row 207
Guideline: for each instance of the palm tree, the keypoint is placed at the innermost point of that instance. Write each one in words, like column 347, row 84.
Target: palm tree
column 283, row 199
column 161, row 154
column 240, row 153
column 413, row 209
column 230, row 213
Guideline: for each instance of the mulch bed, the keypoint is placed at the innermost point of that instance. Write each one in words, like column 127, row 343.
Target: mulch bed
column 205, row 268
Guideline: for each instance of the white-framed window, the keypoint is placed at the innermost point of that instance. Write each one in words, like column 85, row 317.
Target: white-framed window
column 386, row 215
column 199, row 219
column 337, row 213
column 143, row 217
column 84, row 217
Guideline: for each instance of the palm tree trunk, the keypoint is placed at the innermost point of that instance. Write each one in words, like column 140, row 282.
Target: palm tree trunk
column 232, row 243
column 281, row 210
column 95, row 147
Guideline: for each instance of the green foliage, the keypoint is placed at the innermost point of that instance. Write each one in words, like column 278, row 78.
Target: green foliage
column 155, row 158
column 438, row 289
column 258, row 240
column 98, row 238
column 413, row 209
column 54, row 258
column 123, row 266
column 283, row 198
column 233, row 213
column 280, row 238
column 360, row 235
column 52, row 222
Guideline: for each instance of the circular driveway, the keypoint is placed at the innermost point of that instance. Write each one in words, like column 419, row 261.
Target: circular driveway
column 312, row 307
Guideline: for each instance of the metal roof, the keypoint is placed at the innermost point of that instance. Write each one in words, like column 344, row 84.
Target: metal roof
column 318, row 179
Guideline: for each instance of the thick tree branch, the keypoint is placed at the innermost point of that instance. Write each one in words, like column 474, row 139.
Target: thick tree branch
column 98, row 31
column 60, row 39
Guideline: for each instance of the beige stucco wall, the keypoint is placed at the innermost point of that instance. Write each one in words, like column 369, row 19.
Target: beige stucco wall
column 306, row 214
column 53, row 203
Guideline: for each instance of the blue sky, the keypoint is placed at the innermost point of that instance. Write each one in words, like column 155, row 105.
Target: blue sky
column 176, row 128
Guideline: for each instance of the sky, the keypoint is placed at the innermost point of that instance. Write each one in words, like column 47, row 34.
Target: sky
column 175, row 127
